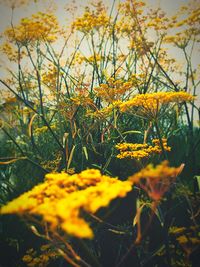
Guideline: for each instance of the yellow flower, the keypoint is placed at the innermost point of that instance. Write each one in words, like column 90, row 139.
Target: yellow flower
column 92, row 20
column 35, row 258
column 10, row 51
column 156, row 180
column 113, row 90
column 40, row 27
column 140, row 151
column 150, row 104
column 107, row 111
column 177, row 230
column 27, row 258
column 62, row 197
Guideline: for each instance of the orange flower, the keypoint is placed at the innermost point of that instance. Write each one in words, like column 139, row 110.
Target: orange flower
column 156, row 180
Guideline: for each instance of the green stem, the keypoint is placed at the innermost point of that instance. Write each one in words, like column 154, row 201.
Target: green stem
column 160, row 139
column 22, row 152
column 93, row 260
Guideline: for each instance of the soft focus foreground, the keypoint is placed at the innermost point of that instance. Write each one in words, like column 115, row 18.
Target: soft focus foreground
column 100, row 137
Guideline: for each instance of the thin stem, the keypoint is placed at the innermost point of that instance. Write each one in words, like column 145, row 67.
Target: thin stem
column 22, row 152
column 160, row 139
column 33, row 109
column 87, row 252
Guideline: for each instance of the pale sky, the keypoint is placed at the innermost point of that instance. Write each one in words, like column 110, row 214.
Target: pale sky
column 170, row 6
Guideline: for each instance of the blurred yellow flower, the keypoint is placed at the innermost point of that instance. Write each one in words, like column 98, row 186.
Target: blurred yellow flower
column 39, row 27
column 113, row 90
column 156, row 180
column 61, row 198
column 92, row 19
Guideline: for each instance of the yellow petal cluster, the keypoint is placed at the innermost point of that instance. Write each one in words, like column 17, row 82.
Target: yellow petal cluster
column 107, row 111
column 61, row 198
column 156, row 180
column 39, row 27
column 150, row 104
column 10, row 51
column 188, row 238
column 35, row 258
column 140, row 151
column 91, row 20
column 113, row 90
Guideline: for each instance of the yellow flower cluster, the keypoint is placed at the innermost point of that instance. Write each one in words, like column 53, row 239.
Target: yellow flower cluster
column 158, row 23
column 158, row 20
column 52, row 164
column 92, row 59
column 194, row 16
column 43, row 129
column 123, row 26
column 91, row 20
column 130, row 13
column 156, row 180
column 113, row 90
column 140, row 151
column 10, row 51
column 83, row 100
column 188, row 238
column 39, row 27
column 180, row 39
column 50, row 77
column 42, row 259
column 126, row 7
column 61, row 198
column 176, row 230
column 10, row 100
column 188, row 20
column 105, row 112
column 184, row 240
column 150, row 104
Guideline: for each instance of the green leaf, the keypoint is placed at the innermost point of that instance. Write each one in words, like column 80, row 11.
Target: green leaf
column 130, row 132
column 70, row 156
column 197, row 177
column 85, row 152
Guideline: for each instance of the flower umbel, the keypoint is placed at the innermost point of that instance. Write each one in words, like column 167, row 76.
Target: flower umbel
column 140, row 151
column 156, row 180
column 61, row 198
column 150, row 104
